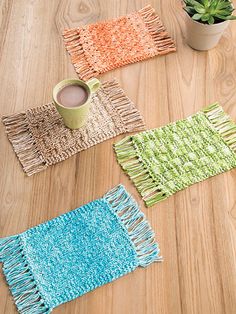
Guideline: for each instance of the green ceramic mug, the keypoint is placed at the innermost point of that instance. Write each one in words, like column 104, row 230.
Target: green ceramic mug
column 75, row 117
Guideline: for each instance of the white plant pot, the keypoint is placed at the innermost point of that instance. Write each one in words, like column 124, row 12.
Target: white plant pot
column 203, row 36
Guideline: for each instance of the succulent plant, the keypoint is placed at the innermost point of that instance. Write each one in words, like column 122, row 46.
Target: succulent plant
column 210, row 11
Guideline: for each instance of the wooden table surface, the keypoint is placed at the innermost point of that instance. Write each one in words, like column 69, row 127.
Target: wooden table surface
column 196, row 228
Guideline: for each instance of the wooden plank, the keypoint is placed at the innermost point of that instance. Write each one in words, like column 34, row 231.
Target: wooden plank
column 196, row 228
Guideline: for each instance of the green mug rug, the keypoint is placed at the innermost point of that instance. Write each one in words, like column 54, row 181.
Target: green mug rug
column 168, row 159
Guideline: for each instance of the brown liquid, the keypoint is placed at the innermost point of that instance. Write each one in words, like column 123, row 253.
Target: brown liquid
column 72, row 96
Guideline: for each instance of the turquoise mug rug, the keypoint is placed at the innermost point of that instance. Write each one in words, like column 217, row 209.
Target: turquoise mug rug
column 70, row 255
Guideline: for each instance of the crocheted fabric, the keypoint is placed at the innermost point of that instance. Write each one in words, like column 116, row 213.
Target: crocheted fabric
column 103, row 46
column 168, row 159
column 40, row 138
column 77, row 252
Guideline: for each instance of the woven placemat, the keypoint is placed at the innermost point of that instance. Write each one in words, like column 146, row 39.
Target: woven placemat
column 72, row 254
column 106, row 45
column 40, row 138
column 163, row 161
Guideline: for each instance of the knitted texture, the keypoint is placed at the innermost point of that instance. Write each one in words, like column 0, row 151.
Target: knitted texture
column 103, row 46
column 40, row 138
column 168, row 159
column 79, row 251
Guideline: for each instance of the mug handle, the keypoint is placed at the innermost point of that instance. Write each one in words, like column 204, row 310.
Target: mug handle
column 93, row 84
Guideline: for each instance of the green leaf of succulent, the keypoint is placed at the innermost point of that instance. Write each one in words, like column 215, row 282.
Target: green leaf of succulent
column 196, row 16
column 208, row 3
column 225, row 5
column 200, row 9
column 211, row 20
column 231, row 17
column 221, row 17
column 190, row 10
column 205, row 17
column 214, row 4
column 204, row 2
column 195, row 3
column 221, row 12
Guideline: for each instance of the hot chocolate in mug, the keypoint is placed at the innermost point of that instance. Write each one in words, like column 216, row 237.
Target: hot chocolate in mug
column 72, row 98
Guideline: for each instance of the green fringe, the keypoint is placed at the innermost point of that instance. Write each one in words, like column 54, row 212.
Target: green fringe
column 128, row 159
column 222, row 123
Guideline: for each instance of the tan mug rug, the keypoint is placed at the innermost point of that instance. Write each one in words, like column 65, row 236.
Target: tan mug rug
column 40, row 138
column 103, row 46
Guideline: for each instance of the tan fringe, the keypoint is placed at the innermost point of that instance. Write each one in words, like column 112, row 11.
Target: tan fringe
column 18, row 132
column 141, row 177
column 129, row 114
column 222, row 123
column 162, row 40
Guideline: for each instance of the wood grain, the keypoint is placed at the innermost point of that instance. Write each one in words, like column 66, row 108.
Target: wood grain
column 196, row 228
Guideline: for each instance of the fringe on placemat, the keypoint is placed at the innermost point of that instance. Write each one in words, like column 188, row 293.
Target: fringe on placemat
column 222, row 123
column 20, row 278
column 139, row 230
column 157, row 30
column 75, row 49
column 18, row 132
column 129, row 114
column 134, row 167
